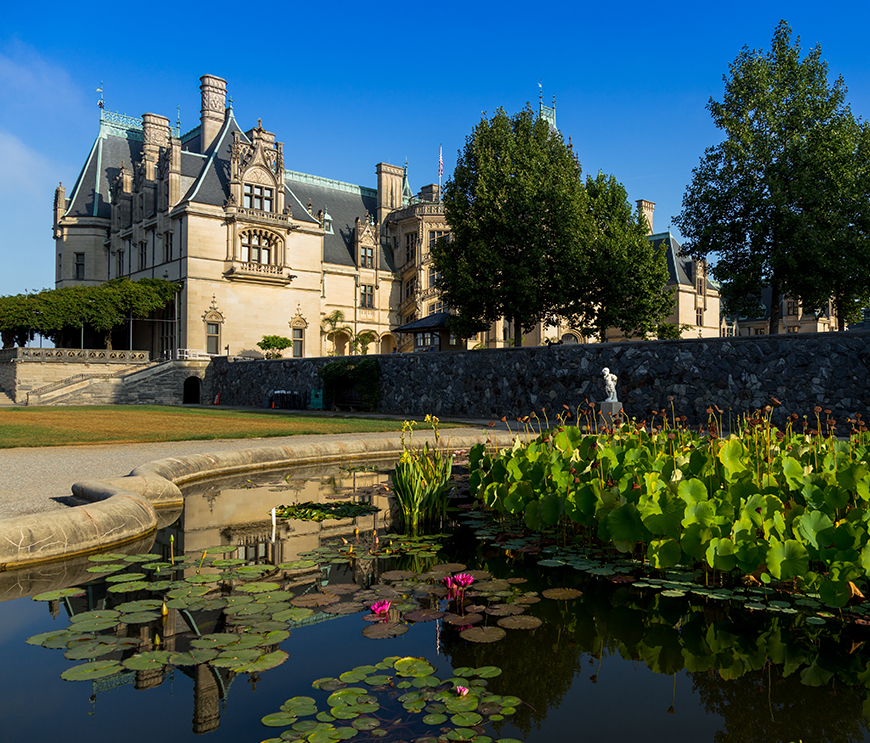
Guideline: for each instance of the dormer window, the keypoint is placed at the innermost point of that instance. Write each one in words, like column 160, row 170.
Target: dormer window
column 258, row 197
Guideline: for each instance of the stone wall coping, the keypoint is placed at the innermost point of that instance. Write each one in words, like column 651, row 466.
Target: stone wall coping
column 124, row 510
column 75, row 355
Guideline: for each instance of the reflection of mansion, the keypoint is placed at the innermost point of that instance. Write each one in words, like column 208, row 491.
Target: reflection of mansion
column 262, row 250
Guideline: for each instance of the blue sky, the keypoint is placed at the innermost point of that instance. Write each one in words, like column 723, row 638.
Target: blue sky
column 345, row 86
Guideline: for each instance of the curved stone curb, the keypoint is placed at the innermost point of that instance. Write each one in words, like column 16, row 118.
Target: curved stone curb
column 123, row 509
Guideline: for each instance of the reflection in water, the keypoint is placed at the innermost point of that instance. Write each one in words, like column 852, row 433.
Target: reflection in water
column 715, row 669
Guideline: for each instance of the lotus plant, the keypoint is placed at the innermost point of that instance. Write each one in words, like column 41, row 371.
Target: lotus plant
column 456, row 586
column 461, row 691
column 381, row 608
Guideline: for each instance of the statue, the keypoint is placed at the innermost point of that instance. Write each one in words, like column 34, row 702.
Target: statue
column 609, row 384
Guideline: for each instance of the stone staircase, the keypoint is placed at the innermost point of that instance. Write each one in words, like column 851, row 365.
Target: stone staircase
column 6, row 399
column 160, row 383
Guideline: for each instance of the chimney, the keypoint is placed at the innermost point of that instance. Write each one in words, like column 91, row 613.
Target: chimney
column 155, row 135
column 389, row 189
column 647, row 208
column 59, row 209
column 213, row 110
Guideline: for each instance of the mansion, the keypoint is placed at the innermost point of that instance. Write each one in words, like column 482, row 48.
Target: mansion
column 260, row 249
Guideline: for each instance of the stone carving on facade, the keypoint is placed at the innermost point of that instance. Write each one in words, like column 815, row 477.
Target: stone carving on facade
column 213, row 313
column 263, row 152
column 298, row 320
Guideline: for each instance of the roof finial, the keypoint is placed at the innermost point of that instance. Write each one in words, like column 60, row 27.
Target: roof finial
column 178, row 119
column 541, row 90
column 101, row 103
column 230, row 101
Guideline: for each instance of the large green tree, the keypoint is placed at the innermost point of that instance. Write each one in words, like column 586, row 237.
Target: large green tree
column 834, row 260
column 624, row 284
column 517, row 210
column 751, row 198
column 57, row 313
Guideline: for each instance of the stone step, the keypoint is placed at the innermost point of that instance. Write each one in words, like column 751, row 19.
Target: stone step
column 6, row 399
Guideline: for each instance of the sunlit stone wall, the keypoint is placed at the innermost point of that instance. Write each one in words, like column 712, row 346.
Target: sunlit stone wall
column 737, row 374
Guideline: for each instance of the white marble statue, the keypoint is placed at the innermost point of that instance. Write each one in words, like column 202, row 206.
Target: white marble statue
column 609, row 385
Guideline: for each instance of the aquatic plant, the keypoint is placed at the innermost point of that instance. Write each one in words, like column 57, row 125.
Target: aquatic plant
column 428, row 708
column 421, row 479
column 783, row 506
column 312, row 511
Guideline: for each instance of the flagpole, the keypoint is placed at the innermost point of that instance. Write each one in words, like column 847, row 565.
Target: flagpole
column 440, row 170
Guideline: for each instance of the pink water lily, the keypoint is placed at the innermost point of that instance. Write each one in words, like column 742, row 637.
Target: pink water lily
column 380, row 608
column 461, row 691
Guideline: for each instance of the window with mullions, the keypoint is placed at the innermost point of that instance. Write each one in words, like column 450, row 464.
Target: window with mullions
column 80, row 266
column 256, row 248
column 410, row 247
column 435, row 236
column 258, row 197
column 212, row 338
column 167, row 247
column 298, row 338
column 367, row 296
column 367, row 258
column 143, row 256
column 120, row 267
column 434, row 277
column 699, row 317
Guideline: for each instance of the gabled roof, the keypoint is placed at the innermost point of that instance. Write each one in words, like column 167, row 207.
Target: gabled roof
column 114, row 147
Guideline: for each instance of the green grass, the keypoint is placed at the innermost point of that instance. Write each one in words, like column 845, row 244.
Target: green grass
column 121, row 424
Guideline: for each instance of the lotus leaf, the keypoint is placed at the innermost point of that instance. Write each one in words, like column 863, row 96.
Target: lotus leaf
column 109, row 567
column 412, row 667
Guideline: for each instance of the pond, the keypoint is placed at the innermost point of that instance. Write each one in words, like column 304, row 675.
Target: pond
column 552, row 643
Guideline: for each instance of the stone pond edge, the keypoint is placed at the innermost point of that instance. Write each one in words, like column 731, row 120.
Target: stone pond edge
column 125, row 509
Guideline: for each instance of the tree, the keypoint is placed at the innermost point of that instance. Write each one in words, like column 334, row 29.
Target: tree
column 333, row 325
column 624, row 284
column 361, row 341
column 745, row 203
column 272, row 345
column 834, row 262
column 55, row 312
column 517, row 210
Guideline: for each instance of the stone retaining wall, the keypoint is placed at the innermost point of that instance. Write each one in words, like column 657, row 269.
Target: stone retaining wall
column 737, row 374
column 25, row 370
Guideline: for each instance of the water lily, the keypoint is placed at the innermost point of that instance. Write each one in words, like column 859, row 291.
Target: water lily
column 463, row 580
column 381, row 608
column 461, row 691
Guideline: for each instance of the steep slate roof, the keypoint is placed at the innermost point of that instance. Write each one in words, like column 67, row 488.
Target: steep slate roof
column 343, row 202
column 679, row 268
column 213, row 185
column 115, row 145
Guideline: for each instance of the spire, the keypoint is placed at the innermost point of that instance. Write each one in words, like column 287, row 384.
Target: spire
column 407, row 194
column 547, row 113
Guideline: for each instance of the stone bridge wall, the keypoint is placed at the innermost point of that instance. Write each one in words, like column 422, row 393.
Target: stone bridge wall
column 737, row 374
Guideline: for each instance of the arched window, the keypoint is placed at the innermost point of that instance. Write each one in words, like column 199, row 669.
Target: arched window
column 257, row 247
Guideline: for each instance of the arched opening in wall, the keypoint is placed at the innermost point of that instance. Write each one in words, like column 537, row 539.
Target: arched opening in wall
column 388, row 344
column 192, row 391
column 569, row 338
column 341, row 341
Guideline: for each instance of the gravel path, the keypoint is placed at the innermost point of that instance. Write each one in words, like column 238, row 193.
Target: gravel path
column 38, row 480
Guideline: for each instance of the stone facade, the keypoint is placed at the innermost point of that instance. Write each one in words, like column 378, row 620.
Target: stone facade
column 737, row 374
column 260, row 249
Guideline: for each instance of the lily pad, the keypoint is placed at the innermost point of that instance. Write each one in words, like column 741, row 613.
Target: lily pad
column 412, row 667
column 148, row 660
column 561, row 594
column 194, row 657
column 521, row 622
column 93, row 670
column 483, row 634
column 382, row 630
column 259, row 587
column 58, row 594
column 424, row 615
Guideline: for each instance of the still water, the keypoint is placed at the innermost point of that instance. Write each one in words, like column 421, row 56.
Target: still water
column 616, row 662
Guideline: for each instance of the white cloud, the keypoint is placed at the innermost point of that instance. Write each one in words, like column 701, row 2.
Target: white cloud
column 34, row 172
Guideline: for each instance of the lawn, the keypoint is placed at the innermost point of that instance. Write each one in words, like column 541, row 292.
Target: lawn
column 116, row 424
